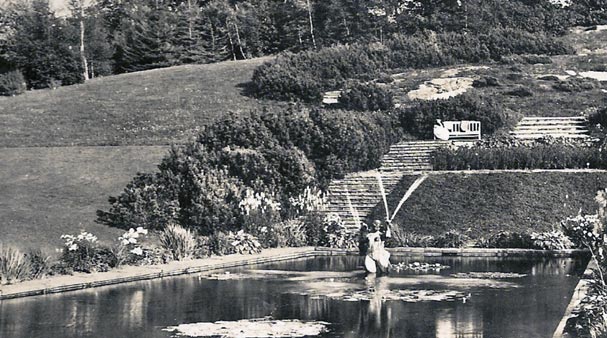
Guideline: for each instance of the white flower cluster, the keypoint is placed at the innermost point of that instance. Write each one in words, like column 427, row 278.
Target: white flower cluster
column 71, row 241
column 254, row 201
column 130, row 237
column 309, row 200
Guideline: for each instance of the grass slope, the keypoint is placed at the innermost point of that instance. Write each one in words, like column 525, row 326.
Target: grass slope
column 47, row 192
column 154, row 107
column 482, row 204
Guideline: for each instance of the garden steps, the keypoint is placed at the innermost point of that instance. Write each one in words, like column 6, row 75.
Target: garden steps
column 363, row 191
column 410, row 156
column 530, row 128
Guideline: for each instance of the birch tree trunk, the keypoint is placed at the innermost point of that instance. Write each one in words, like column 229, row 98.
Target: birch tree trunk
column 311, row 23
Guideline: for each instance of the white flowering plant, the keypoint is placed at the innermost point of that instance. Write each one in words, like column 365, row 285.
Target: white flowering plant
column 334, row 234
column 82, row 253
column 129, row 247
column 310, row 200
column 261, row 213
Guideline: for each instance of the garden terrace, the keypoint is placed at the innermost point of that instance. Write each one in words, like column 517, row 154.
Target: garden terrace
column 481, row 204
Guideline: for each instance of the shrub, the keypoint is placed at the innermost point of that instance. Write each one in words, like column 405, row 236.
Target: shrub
column 221, row 244
column 178, row 241
column 420, row 118
column 599, row 117
column 549, row 78
column 305, row 76
column 244, row 243
column 366, row 97
column 128, row 249
column 294, row 232
column 519, row 92
column 82, row 253
column 402, row 238
column 554, row 240
column 507, row 239
column 451, row 239
column 335, row 235
column 14, row 265
column 557, row 155
column 40, row 264
column 576, row 84
column 537, row 59
column 12, row 83
column 485, row 81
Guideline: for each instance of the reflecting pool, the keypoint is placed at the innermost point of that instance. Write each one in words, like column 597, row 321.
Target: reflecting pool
column 330, row 289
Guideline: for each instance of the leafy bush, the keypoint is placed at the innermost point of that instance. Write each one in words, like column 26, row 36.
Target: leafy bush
column 451, row 239
column 576, row 84
column 366, row 97
column 305, row 76
column 581, row 230
column 14, row 265
column 201, row 185
column 82, row 253
column 507, row 239
column 12, row 83
column 520, row 91
column 420, row 118
column 335, row 235
column 558, row 155
column 128, row 249
column 553, row 240
column 178, row 241
column 486, row 81
column 221, row 244
column 40, row 264
column 244, row 243
column 549, row 78
column 599, row 117
column 294, row 232
column 402, row 238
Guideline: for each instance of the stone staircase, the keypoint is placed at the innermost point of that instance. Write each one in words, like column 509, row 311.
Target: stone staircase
column 530, row 128
column 410, row 156
column 363, row 191
column 405, row 158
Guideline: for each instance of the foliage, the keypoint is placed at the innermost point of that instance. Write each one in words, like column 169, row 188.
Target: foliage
column 553, row 240
column 420, row 118
column 305, row 76
column 221, row 244
column 12, row 83
column 485, row 81
column 451, row 239
column 582, row 230
column 244, row 243
column 82, row 253
column 129, row 249
column 576, row 84
column 599, row 117
column 40, row 264
column 293, row 232
column 334, row 234
column 520, row 91
column 14, row 265
column 507, row 239
column 402, row 238
column 539, row 155
column 178, row 241
column 366, row 96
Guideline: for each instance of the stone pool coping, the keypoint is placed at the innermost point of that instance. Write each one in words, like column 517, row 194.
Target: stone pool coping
column 126, row 274
column 581, row 289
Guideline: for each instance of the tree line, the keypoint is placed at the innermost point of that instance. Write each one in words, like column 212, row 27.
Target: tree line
column 102, row 37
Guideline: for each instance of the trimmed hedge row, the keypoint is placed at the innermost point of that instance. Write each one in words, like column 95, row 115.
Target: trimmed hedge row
column 305, row 76
column 537, row 156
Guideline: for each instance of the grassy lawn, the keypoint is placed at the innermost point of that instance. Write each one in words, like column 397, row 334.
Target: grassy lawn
column 481, row 204
column 154, row 107
column 46, row 192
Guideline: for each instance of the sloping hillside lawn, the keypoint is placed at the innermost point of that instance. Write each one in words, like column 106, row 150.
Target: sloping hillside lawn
column 154, row 107
column 47, row 192
column 481, row 204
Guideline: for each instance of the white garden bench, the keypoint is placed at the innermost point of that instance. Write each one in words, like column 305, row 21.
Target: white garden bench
column 457, row 130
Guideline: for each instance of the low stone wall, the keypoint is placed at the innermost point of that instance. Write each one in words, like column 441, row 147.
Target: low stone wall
column 579, row 293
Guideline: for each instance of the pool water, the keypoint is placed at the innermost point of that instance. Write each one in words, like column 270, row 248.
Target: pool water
column 315, row 289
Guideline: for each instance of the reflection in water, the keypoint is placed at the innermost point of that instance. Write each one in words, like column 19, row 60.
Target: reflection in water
column 532, row 309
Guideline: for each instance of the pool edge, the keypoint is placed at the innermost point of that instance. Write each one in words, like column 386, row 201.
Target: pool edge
column 55, row 285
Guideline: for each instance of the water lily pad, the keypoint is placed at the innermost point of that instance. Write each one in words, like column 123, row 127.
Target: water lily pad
column 491, row 275
column 419, row 267
column 251, row 328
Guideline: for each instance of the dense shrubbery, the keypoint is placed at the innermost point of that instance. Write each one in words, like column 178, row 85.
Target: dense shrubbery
column 12, row 83
column 599, row 117
column 576, row 84
column 557, row 155
column 420, row 118
column 202, row 185
column 306, row 75
column 363, row 97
